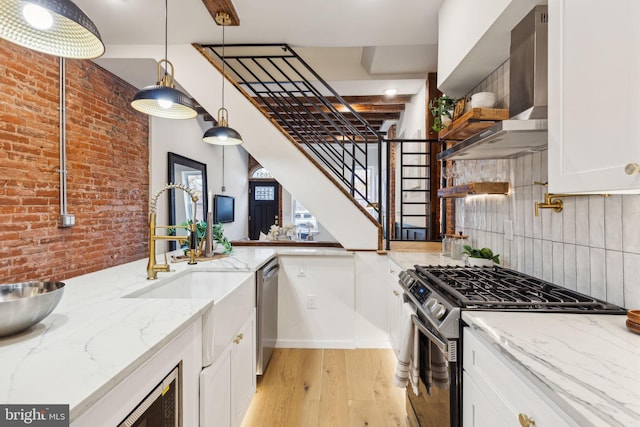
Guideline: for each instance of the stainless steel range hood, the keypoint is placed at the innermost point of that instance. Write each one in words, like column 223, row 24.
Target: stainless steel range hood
column 508, row 138
column 526, row 130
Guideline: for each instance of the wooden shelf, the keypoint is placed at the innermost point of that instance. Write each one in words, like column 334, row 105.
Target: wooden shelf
column 458, row 191
column 472, row 122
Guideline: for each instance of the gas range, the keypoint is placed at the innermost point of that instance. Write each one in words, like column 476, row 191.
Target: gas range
column 440, row 292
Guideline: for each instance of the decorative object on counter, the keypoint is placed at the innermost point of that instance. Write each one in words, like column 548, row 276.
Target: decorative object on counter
column 22, row 305
column 223, row 244
column 633, row 321
column 152, row 266
column 442, row 111
column 58, row 28
column 480, row 257
column 163, row 99
column 483, row 100
column 221, row 133
column 286, row 232
column 446, row 245
column 457, row 245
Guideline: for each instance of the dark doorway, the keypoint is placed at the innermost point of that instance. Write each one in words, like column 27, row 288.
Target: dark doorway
column 264, row 207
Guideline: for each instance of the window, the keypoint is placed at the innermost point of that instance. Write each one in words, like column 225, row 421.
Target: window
column 304, row 221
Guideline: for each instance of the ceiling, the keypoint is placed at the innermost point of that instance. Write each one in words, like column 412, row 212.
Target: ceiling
column 360, row 47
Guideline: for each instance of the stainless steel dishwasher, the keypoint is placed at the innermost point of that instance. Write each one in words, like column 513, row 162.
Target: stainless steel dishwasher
column 266, row 313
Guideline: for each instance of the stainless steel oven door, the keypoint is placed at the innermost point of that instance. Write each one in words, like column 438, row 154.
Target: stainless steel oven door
column 436, row 404
column 161, row 407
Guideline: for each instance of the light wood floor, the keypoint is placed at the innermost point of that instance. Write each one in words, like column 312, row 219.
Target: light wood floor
column 336, row 388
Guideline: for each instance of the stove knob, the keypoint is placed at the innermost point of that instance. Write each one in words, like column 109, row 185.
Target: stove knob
column 438, row 311
column 430, row 304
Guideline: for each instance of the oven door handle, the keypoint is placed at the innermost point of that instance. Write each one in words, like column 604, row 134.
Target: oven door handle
column 442, row 345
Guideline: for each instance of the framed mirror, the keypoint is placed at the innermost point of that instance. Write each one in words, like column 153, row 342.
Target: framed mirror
column 193, row 174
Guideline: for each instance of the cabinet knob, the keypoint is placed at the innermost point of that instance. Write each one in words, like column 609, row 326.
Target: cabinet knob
column 239, row 338
column 632, row 169
column 396, row 293
column 526, row 421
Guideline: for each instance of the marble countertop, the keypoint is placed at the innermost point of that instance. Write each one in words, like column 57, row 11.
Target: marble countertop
column 95, row 338
column 589, row 365
column 409, row 259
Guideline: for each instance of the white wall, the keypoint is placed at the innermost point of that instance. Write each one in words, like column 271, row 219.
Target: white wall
column 412, row 123
column 592, row 246
column 184, row 137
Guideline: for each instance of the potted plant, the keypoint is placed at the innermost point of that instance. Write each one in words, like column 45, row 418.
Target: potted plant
column 217, row 234
column 481, row 257
column 442, row 111
column 201, row 230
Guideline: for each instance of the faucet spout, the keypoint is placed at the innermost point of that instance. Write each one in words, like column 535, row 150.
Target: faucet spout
column 152, row 265
column 551, row 201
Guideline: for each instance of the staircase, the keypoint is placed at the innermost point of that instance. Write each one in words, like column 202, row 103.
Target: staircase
column 334, row 173
column 294, row 97
column 351, row 152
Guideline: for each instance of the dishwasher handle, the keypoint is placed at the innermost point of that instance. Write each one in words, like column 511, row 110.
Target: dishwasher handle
column 270, row 271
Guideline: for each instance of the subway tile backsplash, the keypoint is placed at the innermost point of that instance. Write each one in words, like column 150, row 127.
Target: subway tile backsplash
column 593, row 245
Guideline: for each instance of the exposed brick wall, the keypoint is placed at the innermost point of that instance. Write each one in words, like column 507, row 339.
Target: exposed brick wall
column 107, row 169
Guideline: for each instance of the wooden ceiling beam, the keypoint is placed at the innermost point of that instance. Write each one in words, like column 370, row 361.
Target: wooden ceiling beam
column 215, row 6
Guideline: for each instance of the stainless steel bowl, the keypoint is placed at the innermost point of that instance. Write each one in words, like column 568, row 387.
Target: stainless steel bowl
column 24, row 304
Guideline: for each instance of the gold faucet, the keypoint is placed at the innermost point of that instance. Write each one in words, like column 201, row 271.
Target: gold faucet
column 551, row 201
column 152, row 266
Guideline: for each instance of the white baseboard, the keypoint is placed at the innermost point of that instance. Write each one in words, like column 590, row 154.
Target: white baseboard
column 332, row 344
column 315, row 344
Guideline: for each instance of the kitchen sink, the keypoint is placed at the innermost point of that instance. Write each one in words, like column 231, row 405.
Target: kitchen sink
column 196, row 284
column 233, row 296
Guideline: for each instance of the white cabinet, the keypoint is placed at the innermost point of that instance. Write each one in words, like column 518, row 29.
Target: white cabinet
column 594, row 102
column 494, row 394
column 122, row 399
column 395, row 306
column 316, row 301
column 228, row 385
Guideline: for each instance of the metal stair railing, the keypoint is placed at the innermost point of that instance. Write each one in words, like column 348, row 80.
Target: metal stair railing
column 295, row 96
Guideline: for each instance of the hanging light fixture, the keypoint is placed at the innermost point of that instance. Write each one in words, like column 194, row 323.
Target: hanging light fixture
column 221, row 133
column 55, row 27
column 162, row 99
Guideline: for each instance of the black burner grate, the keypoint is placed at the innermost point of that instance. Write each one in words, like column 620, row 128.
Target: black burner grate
column 496, row 288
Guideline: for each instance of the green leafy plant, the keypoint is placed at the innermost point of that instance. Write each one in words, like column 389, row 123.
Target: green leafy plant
column 442, row 106
column 201, row 231
column 217, row 234
column 484, row 253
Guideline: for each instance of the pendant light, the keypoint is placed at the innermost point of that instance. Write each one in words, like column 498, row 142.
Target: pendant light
column 54, row 27
column 222, row 134
column 162, row 99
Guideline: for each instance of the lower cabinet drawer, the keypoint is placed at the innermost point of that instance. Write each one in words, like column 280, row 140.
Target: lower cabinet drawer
column 509, row 396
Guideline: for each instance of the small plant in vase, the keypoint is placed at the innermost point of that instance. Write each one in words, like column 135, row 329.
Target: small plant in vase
column 481, row 257
column 217, row 235
column 442, row 111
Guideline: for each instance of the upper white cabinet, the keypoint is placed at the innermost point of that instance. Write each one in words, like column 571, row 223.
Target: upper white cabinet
column 594, row 95
column 474, row 39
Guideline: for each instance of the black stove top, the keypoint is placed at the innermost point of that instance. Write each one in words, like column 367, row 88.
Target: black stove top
column 502, row 289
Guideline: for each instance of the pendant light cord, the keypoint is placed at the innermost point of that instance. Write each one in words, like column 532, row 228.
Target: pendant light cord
column 166, row 31
column 224, row 24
